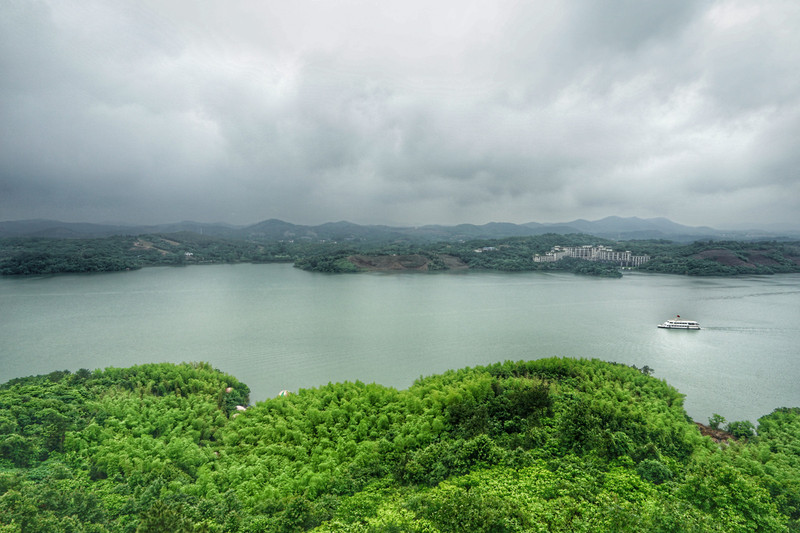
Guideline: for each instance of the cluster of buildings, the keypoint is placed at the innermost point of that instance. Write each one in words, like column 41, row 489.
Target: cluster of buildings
column 592, row 253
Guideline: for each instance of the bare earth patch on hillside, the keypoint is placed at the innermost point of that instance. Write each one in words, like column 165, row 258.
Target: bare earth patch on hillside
column 753, row 259
column 453, row 263
column 724, row 257
column 717, row 435
column 400, row 262
column 147, row 245
column 760, row 259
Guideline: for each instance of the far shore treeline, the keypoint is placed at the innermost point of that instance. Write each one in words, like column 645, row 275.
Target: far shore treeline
column 544, row 445
column 39, row 255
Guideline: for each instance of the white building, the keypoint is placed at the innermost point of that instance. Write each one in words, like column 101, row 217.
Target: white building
column 592, row 253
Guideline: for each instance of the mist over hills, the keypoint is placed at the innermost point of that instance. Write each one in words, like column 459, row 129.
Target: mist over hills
column 612, row 227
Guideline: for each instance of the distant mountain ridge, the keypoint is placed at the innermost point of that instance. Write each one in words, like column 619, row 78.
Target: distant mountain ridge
column 612, row 227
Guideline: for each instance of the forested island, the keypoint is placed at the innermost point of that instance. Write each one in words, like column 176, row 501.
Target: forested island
column 40, row 255
column 544, row 445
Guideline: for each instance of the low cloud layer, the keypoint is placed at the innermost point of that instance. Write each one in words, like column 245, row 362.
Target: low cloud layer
column 400, row 113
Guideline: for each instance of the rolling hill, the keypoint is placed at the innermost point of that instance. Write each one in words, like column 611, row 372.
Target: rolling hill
column 613, row 227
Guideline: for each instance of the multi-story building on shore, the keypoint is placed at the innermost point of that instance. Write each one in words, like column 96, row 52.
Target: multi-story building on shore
column 592, row 253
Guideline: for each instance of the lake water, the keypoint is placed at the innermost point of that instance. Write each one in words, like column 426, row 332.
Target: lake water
column 275, row 327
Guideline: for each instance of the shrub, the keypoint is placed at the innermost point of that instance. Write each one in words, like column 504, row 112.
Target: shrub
column 715, row 421
column 654, row 471
column 742, row 429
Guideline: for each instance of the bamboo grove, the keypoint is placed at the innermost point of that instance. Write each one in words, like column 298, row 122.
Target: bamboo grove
column 544, row 445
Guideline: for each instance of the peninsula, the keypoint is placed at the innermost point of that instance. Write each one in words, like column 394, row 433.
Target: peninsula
column 344, row 247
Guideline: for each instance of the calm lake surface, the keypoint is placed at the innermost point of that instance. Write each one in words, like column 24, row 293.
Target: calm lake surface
column 275, row 327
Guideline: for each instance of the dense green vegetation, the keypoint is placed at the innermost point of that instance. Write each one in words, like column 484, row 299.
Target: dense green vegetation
column 723, row 258
column 545, row 445
column 46, row 256
column 50, row 256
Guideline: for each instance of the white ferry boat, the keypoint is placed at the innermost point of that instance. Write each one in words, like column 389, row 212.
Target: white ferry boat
column 679, row 323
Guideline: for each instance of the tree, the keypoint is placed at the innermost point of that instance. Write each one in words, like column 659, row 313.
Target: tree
column 715, row 421
column 742, row 429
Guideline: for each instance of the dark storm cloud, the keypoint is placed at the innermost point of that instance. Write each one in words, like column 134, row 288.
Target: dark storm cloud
column 403, row 113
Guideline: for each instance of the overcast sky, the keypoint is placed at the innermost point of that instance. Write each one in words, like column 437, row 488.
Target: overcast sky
column 402, row 113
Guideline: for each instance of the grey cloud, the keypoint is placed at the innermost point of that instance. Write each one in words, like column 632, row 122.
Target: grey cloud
column 406, row 113
column 630, row 24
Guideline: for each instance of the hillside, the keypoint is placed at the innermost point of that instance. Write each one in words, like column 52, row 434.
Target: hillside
column 272, row 230
column 701, row 258
column 404, row 262
column 544, row 445
column 723, row 258
column 38, row 255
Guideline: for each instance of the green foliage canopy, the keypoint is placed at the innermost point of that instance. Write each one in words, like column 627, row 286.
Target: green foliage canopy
column 549, row 445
